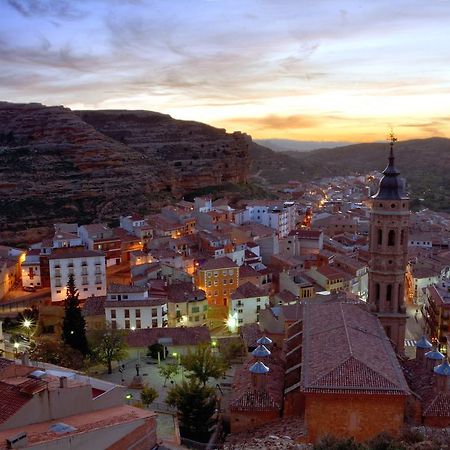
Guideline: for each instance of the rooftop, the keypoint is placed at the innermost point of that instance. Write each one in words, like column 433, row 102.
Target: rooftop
column 346, row 349
column 248, row 290
column 219, row 263
column 74, row 252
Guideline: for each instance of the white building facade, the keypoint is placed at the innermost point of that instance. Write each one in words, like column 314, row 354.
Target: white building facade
column 87, row 266
column 131, row 308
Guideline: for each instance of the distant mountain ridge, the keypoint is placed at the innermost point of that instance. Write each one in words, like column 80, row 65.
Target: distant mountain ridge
column 425, row 163
column 286, row 145
column 63, row 165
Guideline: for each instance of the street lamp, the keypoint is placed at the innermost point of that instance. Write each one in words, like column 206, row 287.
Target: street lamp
column 16, row 346
column 27, row 323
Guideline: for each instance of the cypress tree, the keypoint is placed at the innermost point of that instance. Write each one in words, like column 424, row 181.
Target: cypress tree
column 74, row 326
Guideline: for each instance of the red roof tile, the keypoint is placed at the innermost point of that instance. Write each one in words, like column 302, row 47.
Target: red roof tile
column 345, row 348
column 179, row 336
column 12, row 400
column 219, row 263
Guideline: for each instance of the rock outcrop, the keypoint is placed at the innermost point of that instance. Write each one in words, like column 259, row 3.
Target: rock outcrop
column 57, row 164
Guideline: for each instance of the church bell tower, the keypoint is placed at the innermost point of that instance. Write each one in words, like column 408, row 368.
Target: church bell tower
column 388, row 248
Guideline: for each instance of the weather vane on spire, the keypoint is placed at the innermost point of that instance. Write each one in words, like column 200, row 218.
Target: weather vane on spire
column 392, row 139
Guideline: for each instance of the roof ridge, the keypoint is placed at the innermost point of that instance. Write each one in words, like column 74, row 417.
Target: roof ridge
column 346, row 329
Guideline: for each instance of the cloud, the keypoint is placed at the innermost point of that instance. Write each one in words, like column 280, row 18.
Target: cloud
column 275, row 122
column 61, row 9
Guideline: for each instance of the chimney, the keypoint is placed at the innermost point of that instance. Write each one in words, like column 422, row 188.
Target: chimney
column 442, row 376
column 62, row 382
column 423, row 345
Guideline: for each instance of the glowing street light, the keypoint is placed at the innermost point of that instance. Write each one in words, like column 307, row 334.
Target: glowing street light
column 27, row 323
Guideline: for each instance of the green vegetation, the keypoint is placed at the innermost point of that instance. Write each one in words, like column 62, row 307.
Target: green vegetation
column 58, row 353
column 196, row 405
column 202, row 364
column 108, row 345
column 156, row 349
column 424, row 163
column 168, row 371
column 74, row 326
column 148, row 395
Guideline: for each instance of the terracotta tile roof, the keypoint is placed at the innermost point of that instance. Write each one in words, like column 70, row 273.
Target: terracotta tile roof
column 125, row 289
column 244, row 396
column 306, row 234
column 12, row 400
column 4, row 363
column 219, row 263
column 247, row 271
column 247, row 290
column 184, row 292
column 94, row 306
column 345, row 348
column 422, row 382
column 179, row 336
column 250, row 333
column 74, row 252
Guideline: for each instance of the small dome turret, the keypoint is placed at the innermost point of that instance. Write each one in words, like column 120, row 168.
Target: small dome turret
column 435, row 355
column 259, row 368
column 443, row 369
column 264, row 340
column 261, row 351
column 424, row 343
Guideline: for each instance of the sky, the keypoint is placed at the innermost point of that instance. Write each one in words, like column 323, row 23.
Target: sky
column 297, row 69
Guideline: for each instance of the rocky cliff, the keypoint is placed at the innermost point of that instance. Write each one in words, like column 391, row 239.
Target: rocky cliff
column 62, row 165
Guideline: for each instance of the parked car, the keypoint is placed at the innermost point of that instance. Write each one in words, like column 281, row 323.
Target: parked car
column 29, row 288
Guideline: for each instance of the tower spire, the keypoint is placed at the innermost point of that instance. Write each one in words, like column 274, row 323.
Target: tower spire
column 392, row 140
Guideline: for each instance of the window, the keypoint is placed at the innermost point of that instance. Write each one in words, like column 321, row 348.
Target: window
column 84, row 280
column 377, row 291
column 230, row 272
column 208, row 274
column 127, row 313
column 224, row 281
column 205, row 307
column 154, row 312
column 138, row 323
column 224, row 272
column 240, row 311
column 389, row 292
column 59, row 291
column 113, row 324
column 154, row 323
column 216, row 274
column 209, row 283
column 195, row 309
column 137, row 313
column 99, row 288
column 85, row 289
column 127, row 324
column 380, row 236
column 391, row 238
column 258, row 308
column 125, row 297
column 98, row 280
column 258, row 299
column 240, row 320
column 113, row 314
column 402, row 237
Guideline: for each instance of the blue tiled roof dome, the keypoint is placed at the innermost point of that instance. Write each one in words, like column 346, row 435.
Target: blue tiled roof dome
column 424, row 343
column 435, row 354
column 264, row 340
column 259, row 368
column 443, row 369
column 261, row 351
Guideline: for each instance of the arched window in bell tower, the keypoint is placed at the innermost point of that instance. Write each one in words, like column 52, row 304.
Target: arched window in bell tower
column 389, row 292
column 391, row 238
column 380, row 236
column 377, row 291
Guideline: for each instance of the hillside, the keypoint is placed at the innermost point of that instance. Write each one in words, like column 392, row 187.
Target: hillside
column 61, row 165
column 425, row 163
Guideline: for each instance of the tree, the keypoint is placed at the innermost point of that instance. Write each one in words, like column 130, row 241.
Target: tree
column 74, row 326
column 233, row 350
column 156, row 348
column 168, row 371
column 329, row 442
column 203, row 364
column 196, row 405
column 58, row 353
column 108, row 345
column 148, row 395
